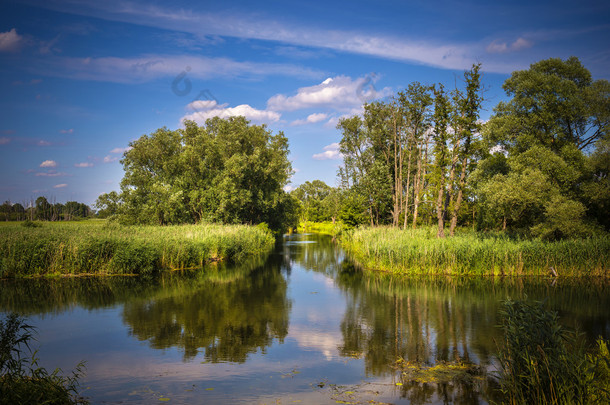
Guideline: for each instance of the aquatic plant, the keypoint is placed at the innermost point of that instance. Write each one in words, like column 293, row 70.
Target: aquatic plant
column 541, row 362
column 22, row 380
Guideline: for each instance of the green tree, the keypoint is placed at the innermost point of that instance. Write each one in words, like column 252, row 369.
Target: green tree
column 546, row 184
column 225, row 171
column 554, row 103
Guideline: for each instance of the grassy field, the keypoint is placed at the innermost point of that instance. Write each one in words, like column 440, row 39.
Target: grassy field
column 419, row 252
column 100, row 247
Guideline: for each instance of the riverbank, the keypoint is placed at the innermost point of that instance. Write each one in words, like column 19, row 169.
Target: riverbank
column 101, row 247
column 419, row 252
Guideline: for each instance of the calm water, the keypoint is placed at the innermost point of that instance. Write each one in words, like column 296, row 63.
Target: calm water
column 302, row 326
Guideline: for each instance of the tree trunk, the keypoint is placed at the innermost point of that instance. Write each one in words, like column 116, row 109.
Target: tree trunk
column 458, row 201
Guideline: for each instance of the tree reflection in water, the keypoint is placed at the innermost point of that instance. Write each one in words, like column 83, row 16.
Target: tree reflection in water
column 227, row 319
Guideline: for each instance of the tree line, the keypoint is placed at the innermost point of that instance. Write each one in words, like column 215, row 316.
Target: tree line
column 539, row 166
column 43, row 210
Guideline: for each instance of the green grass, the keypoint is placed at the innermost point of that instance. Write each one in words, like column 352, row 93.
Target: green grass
column 101, row 247
column 327, row 227
column 419, row 252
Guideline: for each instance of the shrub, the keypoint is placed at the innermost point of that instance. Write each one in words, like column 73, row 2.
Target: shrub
column 22, row 381
column 544, row 363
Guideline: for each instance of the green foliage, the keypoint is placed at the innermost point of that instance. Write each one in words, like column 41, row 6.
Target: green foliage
column 102, row 248
column 420, row 252
column 226, row 171
column 22, row 381
column 543, row 363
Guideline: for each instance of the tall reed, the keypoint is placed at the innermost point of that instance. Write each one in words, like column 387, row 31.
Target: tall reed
column 101, row 247
column 470, row 253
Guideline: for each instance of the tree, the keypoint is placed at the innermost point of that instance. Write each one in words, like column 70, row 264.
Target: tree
column 225, row 171
column 312, row 196
column 547, row 185
column 554, row 103
column 108, row 204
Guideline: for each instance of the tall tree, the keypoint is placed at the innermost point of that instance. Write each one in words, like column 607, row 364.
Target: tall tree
column 441, row 153
column 227, row 171
column 468, row 109
column 554, row 103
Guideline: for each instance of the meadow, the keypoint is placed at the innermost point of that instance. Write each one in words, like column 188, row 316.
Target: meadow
column 419, row 252
column 101, row 247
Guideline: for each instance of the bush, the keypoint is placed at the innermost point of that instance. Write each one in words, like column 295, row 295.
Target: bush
column 22, row 381
column 543, row 363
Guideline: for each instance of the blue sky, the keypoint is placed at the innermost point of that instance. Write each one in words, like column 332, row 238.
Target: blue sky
column 80, row 79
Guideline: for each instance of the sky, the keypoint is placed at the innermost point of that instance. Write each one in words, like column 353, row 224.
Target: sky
column 81, row 79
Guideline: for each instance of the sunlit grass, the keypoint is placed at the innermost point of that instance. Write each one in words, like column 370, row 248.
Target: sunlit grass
column 107, row 248
column 420, row 252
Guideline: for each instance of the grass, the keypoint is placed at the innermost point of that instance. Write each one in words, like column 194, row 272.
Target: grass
column 326, row 228
column 419, row 252
column 100, row 247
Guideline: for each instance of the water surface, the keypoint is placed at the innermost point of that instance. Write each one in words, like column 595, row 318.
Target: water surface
column 301, row 326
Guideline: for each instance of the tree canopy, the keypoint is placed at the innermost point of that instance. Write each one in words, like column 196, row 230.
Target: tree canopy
column 224, row 171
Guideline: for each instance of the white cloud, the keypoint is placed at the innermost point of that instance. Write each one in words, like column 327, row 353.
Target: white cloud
column 51, row 173
column 83, row 164
column 10, row 41
column 48, row 163
column 340, row 93
column 311, row 119
column 4, row 140
column 60, row 185
column 204, row 109
column 110, row 159
column 503, row 47
column 121, row 150
column 440, row 54
column 330, row 152
column 43, row 143
column 66, row 131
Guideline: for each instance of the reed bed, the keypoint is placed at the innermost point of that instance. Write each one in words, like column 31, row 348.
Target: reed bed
column 419, row 252
column 100, row 247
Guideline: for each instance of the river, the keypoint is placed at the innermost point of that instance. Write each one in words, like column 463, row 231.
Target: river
column 303, row 325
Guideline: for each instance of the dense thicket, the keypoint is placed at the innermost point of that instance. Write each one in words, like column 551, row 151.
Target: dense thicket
column 539, row 167
column 226, row 171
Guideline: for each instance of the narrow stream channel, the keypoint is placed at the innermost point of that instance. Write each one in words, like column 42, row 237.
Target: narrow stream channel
column 301, row 326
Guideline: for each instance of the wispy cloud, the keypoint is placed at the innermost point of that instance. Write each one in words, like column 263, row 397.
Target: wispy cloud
column 504, row 47
column 48, row 163
column 330, row 152
column 150, row 67
column 4, row 140
column 311, row 119
column 204, row 109
column 441, row 53
column 51, row 173
column 10, row 41
column 121, row 150
column 83, row 164
column 66, row 131
column 62, row 185
column 110, row 159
